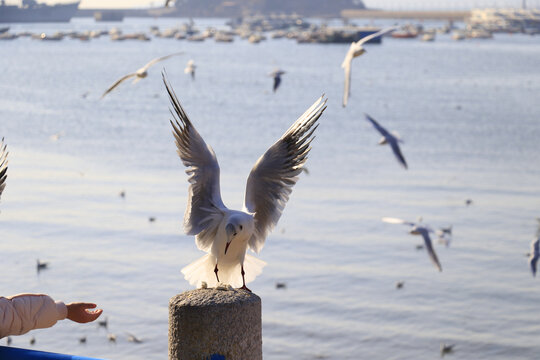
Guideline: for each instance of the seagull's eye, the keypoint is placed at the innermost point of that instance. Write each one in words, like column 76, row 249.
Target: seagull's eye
column 241, row 227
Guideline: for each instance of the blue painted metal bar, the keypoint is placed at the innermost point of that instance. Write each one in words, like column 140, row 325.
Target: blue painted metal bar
column 9, row 353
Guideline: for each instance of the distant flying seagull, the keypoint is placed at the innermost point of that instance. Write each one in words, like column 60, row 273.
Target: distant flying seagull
column 276, row 74
column 356, row 49
column 227, row 234
column 139, row 74
column 190, row 69
column 389, row 138
column 3, row 165
column 423, row 230
column 535, row 253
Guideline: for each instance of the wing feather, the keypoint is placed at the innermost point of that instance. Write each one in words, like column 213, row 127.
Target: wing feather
column 271, row 180
column 205, row 208
column 156, row 60
column 3, row 165
column 117, row 82
column 429, row 247
column 375, row 35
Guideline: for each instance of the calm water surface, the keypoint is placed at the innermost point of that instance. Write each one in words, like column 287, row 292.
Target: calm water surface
column 467, row 111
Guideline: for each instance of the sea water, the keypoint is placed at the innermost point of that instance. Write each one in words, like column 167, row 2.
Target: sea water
column 468, row 113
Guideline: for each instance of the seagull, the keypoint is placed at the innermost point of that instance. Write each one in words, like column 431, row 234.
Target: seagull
column 535, row 253
column 444, row 235
column 447, row 349
column 227, row 234
column 3, row 165
column 139, row 74
column 356, row 49
column 111, row 337
column 133, row 338
column 389, row 138
column 41, row 265
column 103, row 323
column 417, row 229
column 276, row 74
column 190, row 69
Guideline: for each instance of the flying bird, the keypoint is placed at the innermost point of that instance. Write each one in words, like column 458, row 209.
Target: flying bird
column 139, row 74
column 190, row 69
column 276, row 74
column 356, row 49
column 227, row 234
column 417, row 229
column 3, row 165
column 388, row 138
column 447, row 349
column 535, row 253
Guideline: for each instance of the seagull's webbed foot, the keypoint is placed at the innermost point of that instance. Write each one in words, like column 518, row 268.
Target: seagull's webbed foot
column 244, row 287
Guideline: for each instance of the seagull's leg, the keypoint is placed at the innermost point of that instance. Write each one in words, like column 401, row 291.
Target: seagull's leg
column 215, row 272
column 244, row 287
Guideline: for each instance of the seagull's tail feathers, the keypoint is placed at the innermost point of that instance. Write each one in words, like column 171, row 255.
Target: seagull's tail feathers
column 203, row 270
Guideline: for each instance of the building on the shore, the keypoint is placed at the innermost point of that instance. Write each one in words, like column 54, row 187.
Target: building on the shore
column 506, row 20
column 234, row 8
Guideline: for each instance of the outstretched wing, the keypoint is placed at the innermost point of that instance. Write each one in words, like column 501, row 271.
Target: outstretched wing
column 379, row 128
column 118, row 82
column 205, row 207
column 152, row 62
column 365, row 39
column 3, row 165
column 275, row 173
column 392, row 220
column 346, row 65
column 429, row 248
column 397, row 152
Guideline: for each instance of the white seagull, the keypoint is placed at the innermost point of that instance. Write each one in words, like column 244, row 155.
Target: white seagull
column 227, row 234
column 3, row 165
column 356, row 49
column 423, row 230
column 139, row 74
column 190, row 69
column 388, row 138
column 535, row 253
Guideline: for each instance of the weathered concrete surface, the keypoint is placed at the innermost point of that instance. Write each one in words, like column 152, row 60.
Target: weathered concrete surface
column 204, row 322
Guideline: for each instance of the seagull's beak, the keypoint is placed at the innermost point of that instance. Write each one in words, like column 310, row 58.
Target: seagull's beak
column 231, row 233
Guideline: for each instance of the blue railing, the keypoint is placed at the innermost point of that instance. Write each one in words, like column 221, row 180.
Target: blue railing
column 9, row 353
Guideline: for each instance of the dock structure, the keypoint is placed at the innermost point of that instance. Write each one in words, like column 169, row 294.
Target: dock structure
column 413, row 15
column 215, row 324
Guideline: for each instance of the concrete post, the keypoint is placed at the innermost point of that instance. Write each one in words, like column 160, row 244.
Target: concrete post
column 206, row 323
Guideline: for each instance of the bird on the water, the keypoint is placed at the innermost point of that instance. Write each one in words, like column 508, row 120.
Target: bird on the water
column 534, row 254
column 227, row 234
column 356, row 49
column 417, row 229
column 139, row 74
column 392, row 139
column 190, row 69
column 3, row 166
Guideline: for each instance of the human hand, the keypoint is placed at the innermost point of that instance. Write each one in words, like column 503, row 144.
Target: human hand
column 79, row 312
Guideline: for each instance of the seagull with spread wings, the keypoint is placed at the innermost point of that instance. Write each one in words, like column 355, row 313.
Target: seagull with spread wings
column 356, row 49
column 388, row 138
column 276, row 75
column 417, row 229
column 139, row 74
column 3, row 165
column 226, row 234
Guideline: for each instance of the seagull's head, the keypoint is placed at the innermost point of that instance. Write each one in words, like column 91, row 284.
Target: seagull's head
column 239, row 226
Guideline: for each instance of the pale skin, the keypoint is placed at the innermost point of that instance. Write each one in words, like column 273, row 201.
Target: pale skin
column 81, row 312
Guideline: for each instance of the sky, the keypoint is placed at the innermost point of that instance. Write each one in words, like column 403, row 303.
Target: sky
column 384, row 4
